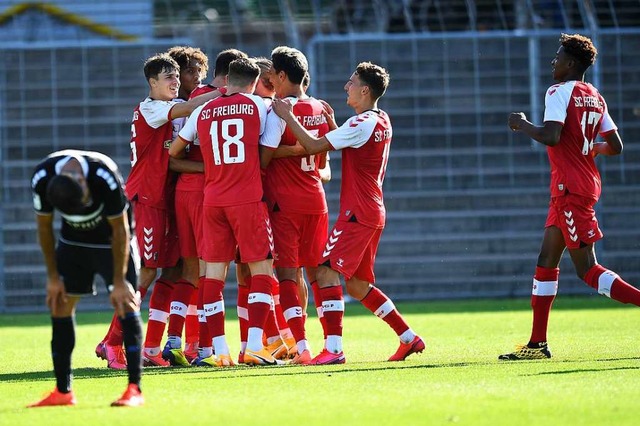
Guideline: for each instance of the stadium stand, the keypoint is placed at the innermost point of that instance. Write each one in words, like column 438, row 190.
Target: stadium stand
column 466, row 198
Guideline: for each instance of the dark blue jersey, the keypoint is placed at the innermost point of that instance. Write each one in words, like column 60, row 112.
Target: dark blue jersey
column 90, row 227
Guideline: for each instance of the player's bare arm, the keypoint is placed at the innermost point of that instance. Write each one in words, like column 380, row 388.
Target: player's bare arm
column 611, row 146
column 289, row 151
column 310, row 143
column 177, row 148
column 184, row 109
column 56, row 294
column 180, row 165
column 547, row 134
column 123, row 298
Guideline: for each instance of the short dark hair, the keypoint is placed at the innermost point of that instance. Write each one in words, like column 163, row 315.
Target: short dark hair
column 65, row 194
column 225, row 58
column 184, row 54
column 373, row 76
column 158, row 64
column 291, row 61
column 580, row 48
column 242, row 72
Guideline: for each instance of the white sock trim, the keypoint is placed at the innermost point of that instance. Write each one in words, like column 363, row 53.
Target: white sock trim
column 243, row 313
column 214, row 308
column 333, row 306
column 158, row 315
column 260, row 298
column 385, row 309
column 605, row 281
column 178, row 308
column 293, row 312
column 544, row 288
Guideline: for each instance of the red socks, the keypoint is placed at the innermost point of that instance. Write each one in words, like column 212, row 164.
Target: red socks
column 181, row 296
column 213, row 304
column 318, row 303
column 382, row 307
column 333, row 309
column 545, row 288
column 609, row 284
column 158, row 312
column 291, row 308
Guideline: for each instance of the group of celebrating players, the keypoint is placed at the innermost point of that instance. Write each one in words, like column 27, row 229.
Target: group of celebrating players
column 233, row 170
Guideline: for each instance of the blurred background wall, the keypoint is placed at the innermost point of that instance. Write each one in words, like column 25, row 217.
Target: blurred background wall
column 466, row 198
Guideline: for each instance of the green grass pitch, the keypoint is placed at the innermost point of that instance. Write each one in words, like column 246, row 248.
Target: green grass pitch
column 592, row 379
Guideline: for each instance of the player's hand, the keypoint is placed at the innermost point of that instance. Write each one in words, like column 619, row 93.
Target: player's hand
column 282, row 107
column 56, row 294
column 516, row 119
column 329, row 114
column 124, row 299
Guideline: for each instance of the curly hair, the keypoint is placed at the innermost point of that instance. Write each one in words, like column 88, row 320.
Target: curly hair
column 579, row 47
column 184, row 54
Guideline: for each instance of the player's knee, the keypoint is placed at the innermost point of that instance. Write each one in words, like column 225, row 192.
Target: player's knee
column 357, row 289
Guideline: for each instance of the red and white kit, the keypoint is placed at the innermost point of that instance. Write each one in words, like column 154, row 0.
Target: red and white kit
column 365, row 141
column 294, row 190
column 575, row 180
column 229, row 130
column 150, row 185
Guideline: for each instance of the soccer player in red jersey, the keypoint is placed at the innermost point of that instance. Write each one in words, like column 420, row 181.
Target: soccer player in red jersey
column 575, row 114
column 234, row 216
column 365, row 140
column 150, row 188
column 188, row 207
column 294, row 191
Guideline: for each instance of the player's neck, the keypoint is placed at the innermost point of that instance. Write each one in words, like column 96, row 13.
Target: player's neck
column 366, row 106
column 292, row 90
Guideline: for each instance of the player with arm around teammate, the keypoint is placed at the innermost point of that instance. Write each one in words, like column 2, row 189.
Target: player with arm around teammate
column 365, row 140
column 234, row 216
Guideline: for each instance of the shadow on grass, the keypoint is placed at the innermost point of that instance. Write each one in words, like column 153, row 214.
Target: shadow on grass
column 590, row 370
column 237, row 372
column 355, row 309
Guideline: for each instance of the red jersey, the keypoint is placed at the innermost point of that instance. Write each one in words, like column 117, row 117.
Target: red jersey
column 365, row 141
column 293, row 183
column 152, row 132
column 583, row 113
column 191, row 182
column 206, row 88
column 229, row 129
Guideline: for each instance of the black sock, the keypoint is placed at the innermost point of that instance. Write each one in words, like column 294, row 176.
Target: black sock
column 132, row 333
column 63, row 340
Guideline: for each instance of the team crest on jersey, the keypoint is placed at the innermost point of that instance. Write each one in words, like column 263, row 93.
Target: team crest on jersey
column 167, row 144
